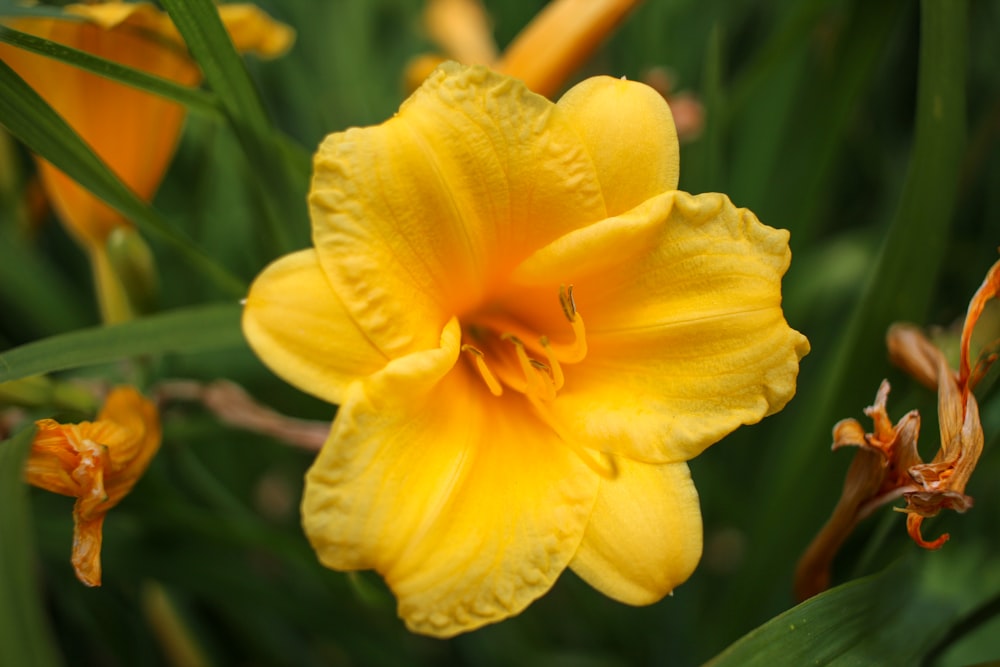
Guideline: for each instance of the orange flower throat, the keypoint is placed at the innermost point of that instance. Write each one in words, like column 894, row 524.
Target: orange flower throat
column 507, row 353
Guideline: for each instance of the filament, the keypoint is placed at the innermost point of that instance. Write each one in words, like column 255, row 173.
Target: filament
column 484, row 371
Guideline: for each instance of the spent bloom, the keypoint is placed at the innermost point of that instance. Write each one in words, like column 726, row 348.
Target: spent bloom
column 97, row 463
column 133, row 131
column 529, row 331
column 887, row 464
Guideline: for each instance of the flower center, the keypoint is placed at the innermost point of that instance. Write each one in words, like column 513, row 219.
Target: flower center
column 506, row 353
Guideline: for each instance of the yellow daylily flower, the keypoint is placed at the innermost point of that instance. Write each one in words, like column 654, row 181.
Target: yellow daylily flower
column 133, row 131
column 98, row 463
column 543, row 55
column 529, row 331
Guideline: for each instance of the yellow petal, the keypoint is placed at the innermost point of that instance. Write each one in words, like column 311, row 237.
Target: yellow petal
column 253, row 31
column 296, row 324
column 136, row 16
column 250, row 28
column 417, row 218
column 644, row 536
column 466, row 504
column 559, row 40
column 630, row 133
column 686, row 336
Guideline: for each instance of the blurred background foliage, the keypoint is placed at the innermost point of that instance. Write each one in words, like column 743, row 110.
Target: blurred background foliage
column 810, row 120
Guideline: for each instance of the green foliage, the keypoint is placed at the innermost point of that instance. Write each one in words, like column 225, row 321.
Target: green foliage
column 844, row 121
column 192, row 330
column 24, row 634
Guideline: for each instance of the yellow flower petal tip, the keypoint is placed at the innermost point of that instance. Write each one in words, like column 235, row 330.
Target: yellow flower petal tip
column 97, row 463
column 528, row 331
column 602, row 107
column 250, row 28
column 253, row 31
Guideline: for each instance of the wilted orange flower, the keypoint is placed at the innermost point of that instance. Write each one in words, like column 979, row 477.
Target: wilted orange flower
column 98, row 463
column 549, row 49
column 887, row 464
column 133, row 131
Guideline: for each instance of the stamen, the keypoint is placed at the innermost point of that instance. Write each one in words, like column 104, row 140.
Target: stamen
column 484, row 371
column 567, row 303
column 557, row 373
column 540, row 385
column 576, row 351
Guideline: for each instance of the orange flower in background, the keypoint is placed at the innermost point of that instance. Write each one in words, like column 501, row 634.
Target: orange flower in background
column 549, row 49
column 545, row 54
column 98, row 463
column 133, row 131
column 887, row 465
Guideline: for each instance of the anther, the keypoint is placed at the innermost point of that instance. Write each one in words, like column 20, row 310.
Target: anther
column 491, row 381
column 556, row 368
column 540, row 384
column 567, row 303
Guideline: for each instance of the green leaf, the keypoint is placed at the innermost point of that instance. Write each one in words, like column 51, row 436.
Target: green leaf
column 30, row 118
column 24, row 634
column 201, row 27
column 198, row 329
column 192, row 98
column 885, row 619
column 899, row 288
column 206, row 37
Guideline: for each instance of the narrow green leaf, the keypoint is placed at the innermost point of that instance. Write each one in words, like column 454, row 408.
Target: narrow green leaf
column 192, row 98
column 885, row 619
column 199, row 24
column 206, row 37
column 29, row 118
column 198, row 329
column 828, row 101
column 25, row 637
column 704, row 166
column 899, row 288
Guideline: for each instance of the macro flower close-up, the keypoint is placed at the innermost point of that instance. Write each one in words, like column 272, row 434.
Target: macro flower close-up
column 473, row 333
column 529, row 331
